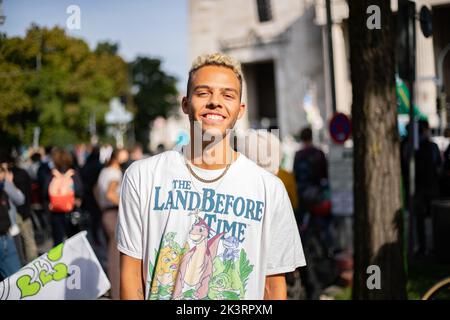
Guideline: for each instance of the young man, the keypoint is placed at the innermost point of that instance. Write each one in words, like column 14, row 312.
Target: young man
column 207, row 222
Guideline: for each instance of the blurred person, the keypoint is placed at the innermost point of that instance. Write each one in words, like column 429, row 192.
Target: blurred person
column 311, row 176
column 136, row 153
column 36, row 161
column 22, row 181
column 45, row 169
column 257, row 143
column 80, row 154
column 16, row 198
column 314, row 214
column 404, row 156
column 43, row 173
column 427, row 170
column 89, row 175
column 123, row 156
column 40, row 217
column 445, row 173
column 63, row 191
column 262, row 147
column 271, row 161
column 288, row 179
column 105, row 153
column 9, row 258
column 36, row 199
column 108, row 198
column 183, row 241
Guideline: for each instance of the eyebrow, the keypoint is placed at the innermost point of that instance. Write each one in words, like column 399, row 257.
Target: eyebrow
column 204, row 86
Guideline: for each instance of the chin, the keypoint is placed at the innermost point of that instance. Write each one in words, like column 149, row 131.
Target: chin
column 214, row 130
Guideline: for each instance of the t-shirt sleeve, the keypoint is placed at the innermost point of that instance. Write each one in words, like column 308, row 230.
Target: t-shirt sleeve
column 116, row 175
column 129, row 224
column 112, row 175
column 285, row 251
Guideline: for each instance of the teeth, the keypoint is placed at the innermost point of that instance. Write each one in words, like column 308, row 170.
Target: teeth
column 214, row 117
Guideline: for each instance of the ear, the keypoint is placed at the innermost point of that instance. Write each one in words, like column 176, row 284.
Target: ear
column 242, row 107
column 185, row 105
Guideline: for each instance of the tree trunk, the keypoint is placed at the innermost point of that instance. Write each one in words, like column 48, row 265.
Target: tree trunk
column 377, row 198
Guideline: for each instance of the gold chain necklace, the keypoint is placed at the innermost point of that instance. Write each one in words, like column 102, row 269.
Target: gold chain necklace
column 205, row 180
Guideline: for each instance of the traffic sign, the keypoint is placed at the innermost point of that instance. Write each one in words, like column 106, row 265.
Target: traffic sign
column 340, row 128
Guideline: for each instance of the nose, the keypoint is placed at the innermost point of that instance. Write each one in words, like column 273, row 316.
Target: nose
column 214, row 101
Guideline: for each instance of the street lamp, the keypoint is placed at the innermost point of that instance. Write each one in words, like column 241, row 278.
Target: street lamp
column 118, row 117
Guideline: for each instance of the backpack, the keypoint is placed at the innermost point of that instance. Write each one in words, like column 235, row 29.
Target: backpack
column 61, row 192
column 307, row 177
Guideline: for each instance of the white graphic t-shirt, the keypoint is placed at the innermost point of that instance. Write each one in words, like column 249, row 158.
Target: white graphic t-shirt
column 206, row 240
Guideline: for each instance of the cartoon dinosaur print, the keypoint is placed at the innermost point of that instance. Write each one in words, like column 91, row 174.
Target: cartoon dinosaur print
column 231, row 251
column 196, row 266
column 231, row 272
column 166, row 270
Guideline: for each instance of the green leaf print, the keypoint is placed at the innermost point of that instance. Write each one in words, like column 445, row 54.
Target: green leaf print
column 244, row 268
column 226, row 278
column 189, row 294
column 228, row 264
column 151, row 268
column 230, row 295
column 170, row 236
column 56, row 253
column 164, row 291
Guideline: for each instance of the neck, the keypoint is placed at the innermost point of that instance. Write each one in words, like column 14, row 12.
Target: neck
column 202, row 243
column 211, row 155
column 115, row 165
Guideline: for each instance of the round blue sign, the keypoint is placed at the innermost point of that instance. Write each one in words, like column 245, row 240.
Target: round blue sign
column 340, row 128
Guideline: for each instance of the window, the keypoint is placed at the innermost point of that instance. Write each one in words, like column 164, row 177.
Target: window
column 264, row 10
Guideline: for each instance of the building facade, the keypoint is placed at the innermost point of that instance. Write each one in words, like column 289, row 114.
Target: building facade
column 282, row 45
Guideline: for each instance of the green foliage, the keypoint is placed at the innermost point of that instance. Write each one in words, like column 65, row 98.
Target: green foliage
column 53, row 81
column 423, row 274
column 156, row 95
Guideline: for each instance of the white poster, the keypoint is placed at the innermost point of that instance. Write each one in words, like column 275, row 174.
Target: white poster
column 69, row 271
column 340, row 174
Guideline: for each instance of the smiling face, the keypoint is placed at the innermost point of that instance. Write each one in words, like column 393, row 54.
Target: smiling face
column 167, row 265
column 214, row 98
column 169, row 260
column 198, row 233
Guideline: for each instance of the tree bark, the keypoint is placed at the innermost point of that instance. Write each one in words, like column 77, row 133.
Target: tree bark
column 378, row 221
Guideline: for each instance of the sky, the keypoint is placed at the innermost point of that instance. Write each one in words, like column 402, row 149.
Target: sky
column 156, row 28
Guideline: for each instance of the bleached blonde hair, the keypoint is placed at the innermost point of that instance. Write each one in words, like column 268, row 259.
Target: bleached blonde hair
column 215, row 59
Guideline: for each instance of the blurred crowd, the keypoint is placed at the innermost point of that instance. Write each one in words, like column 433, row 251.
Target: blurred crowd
column 431, row 181
column 325, row 236
column 49, row 194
